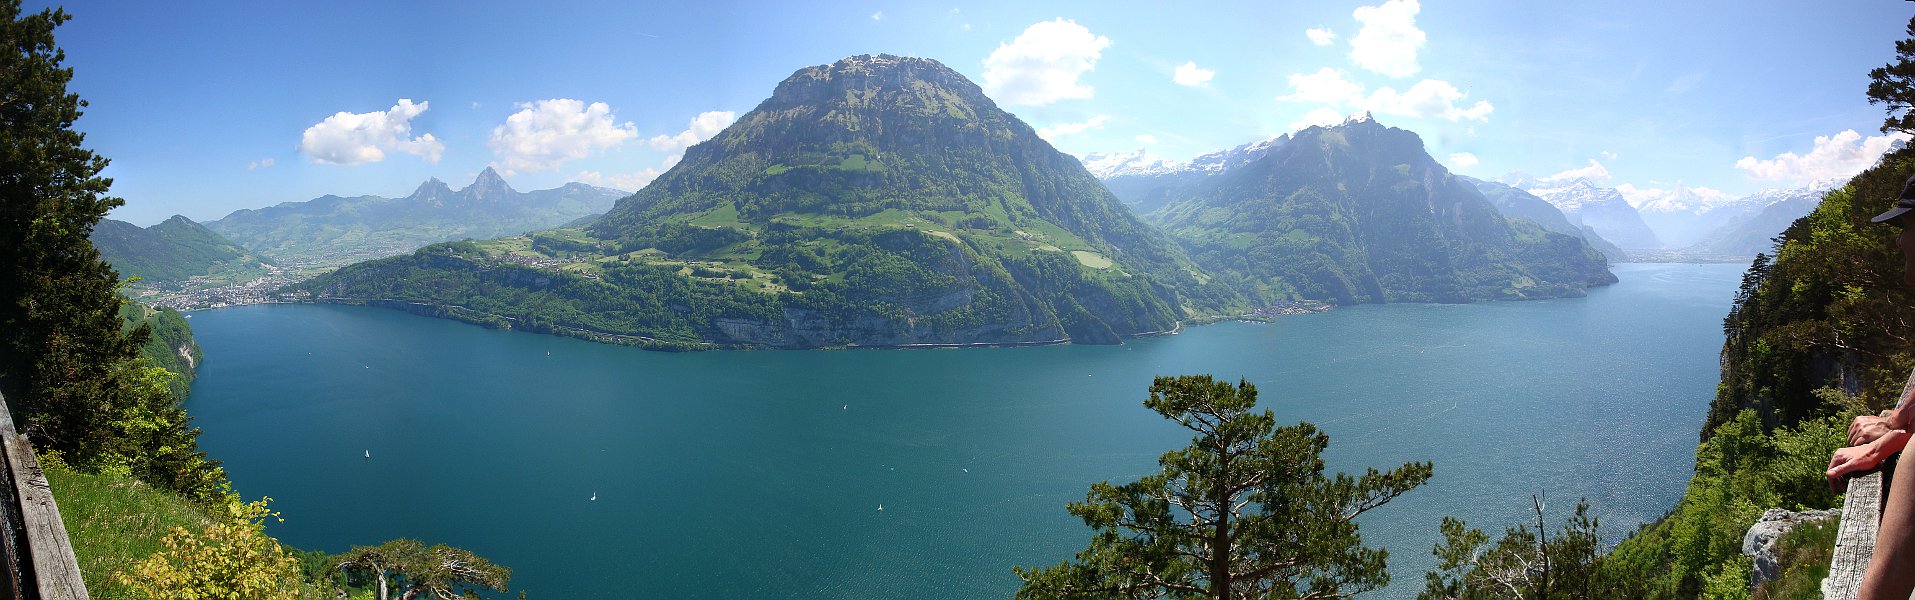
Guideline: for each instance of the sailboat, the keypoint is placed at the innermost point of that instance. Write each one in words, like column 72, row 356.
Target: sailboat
column 594, row 497
column 880, row 507
column 368, row 454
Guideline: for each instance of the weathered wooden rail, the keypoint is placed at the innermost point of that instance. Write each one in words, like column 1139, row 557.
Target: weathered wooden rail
column 1861, row 520
column 39, row 558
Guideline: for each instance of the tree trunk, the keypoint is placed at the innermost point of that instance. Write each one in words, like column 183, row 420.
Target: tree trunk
column 384, row 592
column 1220, row 539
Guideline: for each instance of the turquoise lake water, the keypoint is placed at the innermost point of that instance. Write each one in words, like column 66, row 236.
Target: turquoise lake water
column 760, row 474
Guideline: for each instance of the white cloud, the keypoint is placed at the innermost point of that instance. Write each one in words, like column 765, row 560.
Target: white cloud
column 1321, row 36
column 1146, row 139
column 1595, row 173
column 260, row 164
column 701, row 128
column 1191, row 75
column 1607, row 155
column 1326, row 86
column 1389, row 39
column 1834, row 157
column 877, row 16
column 1322, row 116
column 359, row 138
column 1463, row 160
column 1429, row 98
column 630, row 182
column 546, row 133
column 1063, row 129
column 1043, row 64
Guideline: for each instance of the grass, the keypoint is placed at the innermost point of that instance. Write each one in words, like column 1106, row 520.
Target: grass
column 114, row 522
column 1091, row 259
column 1803, row 554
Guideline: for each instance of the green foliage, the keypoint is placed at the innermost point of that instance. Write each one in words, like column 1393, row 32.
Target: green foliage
column 115, row 521
column 68, row 368
column 1244, row 511
column 169, row 343
column 232, row 559
column 1741, row 470
column 415, row 570
column 60, row 337
column 1893, row 85
column 1527, row 562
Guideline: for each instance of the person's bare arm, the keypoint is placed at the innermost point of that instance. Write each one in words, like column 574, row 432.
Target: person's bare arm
column 1856, row 459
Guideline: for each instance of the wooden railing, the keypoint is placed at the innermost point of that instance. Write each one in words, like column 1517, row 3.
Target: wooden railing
column 1861, row 519
column 1855, row 539
column 39, row 558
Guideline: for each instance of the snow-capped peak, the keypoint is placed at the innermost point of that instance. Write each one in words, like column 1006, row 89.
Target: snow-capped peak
column 1570, row 196
column 1222, row 160
column 1680, row 199
column 1106, row 165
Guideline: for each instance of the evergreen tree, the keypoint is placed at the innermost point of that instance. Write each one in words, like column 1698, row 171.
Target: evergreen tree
column 67, row 366
column 1894, row 85
column 415, row 570
column 1245, row 511
column 60, row 338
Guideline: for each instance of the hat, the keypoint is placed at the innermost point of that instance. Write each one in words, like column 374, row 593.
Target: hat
column 1903, row 204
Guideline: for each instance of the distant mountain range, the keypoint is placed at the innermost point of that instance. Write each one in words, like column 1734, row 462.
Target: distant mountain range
column 333, row 230
column 1519, row 204
column 1601, row 209
column 174, row 250
column 1753, row 231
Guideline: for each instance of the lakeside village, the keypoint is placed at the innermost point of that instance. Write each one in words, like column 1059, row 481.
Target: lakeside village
column 204, row 292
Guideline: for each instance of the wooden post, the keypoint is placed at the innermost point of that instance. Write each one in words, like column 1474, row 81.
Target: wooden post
column 55, row 571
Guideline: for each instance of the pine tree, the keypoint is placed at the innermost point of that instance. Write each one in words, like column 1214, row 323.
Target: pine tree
column 1244, row 512
column 1894, row 85
column 60, row 338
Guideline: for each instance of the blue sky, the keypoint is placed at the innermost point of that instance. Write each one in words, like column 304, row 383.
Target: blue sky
column 208, row 107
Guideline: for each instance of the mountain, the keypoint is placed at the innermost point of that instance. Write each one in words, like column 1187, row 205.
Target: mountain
column 1754, row 232
column 878, row 200
column 174, row 250
column 1602, row 209
column 1518, row 204
column 333, row 230
column 1359, row 212
column 1147, row 182
column 1682, row 216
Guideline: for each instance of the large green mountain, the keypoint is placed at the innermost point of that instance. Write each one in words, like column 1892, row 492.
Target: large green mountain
column 173, row 250
column 879, row 200
column 1360, row 213
column 333, row 230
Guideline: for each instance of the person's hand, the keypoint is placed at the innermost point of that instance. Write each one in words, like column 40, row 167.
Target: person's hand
column 1896, row 419
column 1850, row 460
column 1866, row 428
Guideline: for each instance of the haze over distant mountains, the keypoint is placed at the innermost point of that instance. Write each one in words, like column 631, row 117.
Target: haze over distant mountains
column 333, row 230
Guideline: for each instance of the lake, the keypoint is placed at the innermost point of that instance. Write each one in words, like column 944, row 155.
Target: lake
column 599, row 471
